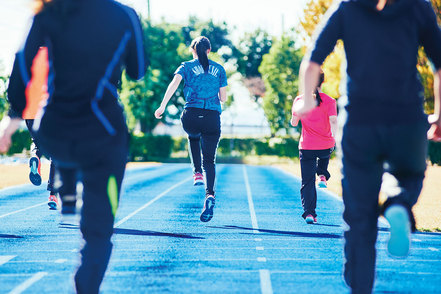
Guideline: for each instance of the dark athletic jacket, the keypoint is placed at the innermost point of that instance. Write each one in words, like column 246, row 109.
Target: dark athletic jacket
column 381, row 48
column 87, row 50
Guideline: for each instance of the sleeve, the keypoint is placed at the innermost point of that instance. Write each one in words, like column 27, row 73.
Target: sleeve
column 181, row 70
column 332, row 107
column 136, row 63
column 223, row 77
column 430, row 37
column 21, row 71
column 327, row 35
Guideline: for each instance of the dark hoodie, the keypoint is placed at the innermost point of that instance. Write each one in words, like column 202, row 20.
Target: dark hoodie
column 381, row 48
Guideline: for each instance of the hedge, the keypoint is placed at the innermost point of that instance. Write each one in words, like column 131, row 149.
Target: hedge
column 435, row 152
column 21, row 140
column 151, row 147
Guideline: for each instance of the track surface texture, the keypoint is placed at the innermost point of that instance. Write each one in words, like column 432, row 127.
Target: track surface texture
column 257, row 241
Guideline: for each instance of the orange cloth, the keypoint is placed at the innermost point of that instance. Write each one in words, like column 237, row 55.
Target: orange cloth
column 36, row 90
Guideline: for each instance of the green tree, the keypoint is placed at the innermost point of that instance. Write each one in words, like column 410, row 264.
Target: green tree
column 165, row 50
column 279, row 70
column 3, row 101
column 312, row 17
column 250, row 51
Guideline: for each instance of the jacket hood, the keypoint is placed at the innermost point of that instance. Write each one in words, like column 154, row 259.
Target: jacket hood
column 389, row 10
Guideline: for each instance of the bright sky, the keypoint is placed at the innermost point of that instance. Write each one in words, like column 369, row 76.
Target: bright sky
column 242, row 15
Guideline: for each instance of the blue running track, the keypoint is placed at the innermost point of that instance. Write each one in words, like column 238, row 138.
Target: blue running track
column 256, row 242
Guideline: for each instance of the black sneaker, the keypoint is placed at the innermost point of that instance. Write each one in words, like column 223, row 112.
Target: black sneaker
column 69, row 214
column 35, row 174
column 207, row 212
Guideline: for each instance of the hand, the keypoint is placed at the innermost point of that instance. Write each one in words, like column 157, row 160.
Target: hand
column 434, row 132
column 5, row 142
column 159, row 112
column 304, row 106
column 8, row 127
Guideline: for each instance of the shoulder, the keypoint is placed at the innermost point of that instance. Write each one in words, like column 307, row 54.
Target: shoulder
column 214, row 63
column 327, row 98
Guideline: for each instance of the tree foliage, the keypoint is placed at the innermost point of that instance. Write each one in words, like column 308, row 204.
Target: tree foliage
column 250, row 51
column 279, row 69
column 165, row 51
column 312, row 17
column 3, row 101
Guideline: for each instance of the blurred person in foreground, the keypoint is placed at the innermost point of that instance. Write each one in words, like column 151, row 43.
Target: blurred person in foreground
column 82, row 126
column 385, row 128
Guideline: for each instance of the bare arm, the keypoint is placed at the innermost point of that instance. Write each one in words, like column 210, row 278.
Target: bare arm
column 434, row 132
column 171, row 89
column 223, row 94
column 8, row 126
column 309, row 76
column 334, row 125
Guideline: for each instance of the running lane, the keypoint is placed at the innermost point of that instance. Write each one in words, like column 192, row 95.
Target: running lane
column 257, row 241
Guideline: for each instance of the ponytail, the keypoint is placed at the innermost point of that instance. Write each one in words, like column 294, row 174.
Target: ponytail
column 320, row 82
column 201, row 45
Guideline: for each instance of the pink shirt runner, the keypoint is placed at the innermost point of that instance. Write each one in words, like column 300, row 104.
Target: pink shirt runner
column 316, row 129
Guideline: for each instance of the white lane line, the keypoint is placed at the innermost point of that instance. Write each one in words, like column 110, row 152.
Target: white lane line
column 259, row 248
column 24, row 209
column 258, row 240
column 61, row 260
column 5, row 258
column 26, row 284
column 265, row 282
column 151, row 202
column 261, row 259
column 250, row 202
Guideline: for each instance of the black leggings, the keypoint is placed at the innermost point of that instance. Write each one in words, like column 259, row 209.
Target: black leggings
column 203, row 128
column 100, row 163
column 36, row 150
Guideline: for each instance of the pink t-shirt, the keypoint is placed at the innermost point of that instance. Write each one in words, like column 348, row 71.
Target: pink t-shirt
column 316, row 129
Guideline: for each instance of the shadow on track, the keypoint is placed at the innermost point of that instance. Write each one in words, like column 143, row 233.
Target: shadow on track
column 275, row 232
column 6, row 236
column 139, row 232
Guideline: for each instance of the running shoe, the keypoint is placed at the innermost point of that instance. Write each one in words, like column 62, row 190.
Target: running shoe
column 322, row 182
column 198, row 179
column 310, row 219
column 52, row 202
column 400, row 230
column 35, row 173
column 207, row 212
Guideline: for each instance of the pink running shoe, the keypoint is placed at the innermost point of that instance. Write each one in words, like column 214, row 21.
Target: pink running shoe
column 322, row 182
column 198, row 179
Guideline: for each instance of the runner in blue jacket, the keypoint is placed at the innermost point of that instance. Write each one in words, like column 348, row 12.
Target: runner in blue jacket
column 385, row 128
column 204, row 90
column 82, row 128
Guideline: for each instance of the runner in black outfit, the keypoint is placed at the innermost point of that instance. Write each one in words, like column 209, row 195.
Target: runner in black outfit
column 205, row 88
column 83, row 127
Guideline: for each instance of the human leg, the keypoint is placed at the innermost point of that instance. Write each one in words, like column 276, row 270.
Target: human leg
column 34, row 161
column 209, row 140
column 362, row 174
column 101, row 189
column 308, row 193
column 53, row 200
column 189, row 123
column 406, row 161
